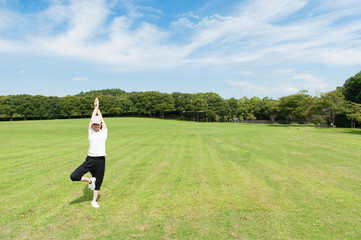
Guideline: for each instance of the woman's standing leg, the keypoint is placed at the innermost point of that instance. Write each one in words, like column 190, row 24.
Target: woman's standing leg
column 98, row 173
column 95, row 195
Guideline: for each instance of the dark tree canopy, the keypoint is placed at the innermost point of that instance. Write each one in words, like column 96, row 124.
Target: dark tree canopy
column 202, row 107
column 352, row 88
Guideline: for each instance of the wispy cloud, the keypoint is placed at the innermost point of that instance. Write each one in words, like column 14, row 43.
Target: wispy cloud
column 249, row 87
column 290, row 82
column 283, row 71
column 80, row 79
column 186, row 21
column 310, row 81
column 257, row 31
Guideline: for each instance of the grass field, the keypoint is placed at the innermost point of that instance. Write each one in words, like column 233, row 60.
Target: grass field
column 169, row 179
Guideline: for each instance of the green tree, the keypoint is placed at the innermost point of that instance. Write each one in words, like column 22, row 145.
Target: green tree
column 245, row 109
column 69, row 106
column 352, row 88
column 270, row 108
column 198, row 106
column 149, row 102
column 85, row 105
column 353, row 113
column 125, row 105
column 256, row 107
column 179, row 102
column 164, row 104
column 52, row 106
column 109, row 105
column 39, row 109
column 233, row 110
column 329, row 105
column 98, row 93
column 296, row 107
column 215, row 109
column 2, row 105
column 183, row 104
column 8, row 106
column 224, row 112
column 24, row 105
column 134, row 97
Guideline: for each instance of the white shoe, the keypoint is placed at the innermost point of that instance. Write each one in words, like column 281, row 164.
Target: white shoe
column 92, row 184
column 95, row 204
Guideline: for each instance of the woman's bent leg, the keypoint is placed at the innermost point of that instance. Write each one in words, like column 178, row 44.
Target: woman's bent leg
column 85, row 179
column 78, row 173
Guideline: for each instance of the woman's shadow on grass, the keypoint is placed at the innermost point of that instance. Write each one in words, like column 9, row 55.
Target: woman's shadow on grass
column 87, row 196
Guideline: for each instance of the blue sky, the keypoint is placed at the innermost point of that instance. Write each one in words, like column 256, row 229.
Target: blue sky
column 235, row 48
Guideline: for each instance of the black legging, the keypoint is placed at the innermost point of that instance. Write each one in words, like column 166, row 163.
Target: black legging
column 94, row 165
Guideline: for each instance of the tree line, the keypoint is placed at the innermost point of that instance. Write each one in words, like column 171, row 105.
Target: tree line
column 324, row 109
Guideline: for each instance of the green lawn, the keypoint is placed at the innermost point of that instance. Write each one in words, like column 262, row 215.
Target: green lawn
column 169, row 179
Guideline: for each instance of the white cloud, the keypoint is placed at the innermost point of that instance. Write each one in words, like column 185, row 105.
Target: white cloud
column 249, row 87
column 289, row 82
column 350, row 56
column 183, row 22
column 310, row 82
column 9, row 46
column 188, row 20
column 301, row 80
column 154, row 13
column 265, row 10
column 284, row 71
column 258, row 31
column 21, row 72
column 80, row 79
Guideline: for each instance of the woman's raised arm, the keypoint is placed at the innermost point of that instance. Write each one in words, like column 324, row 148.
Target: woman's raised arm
column 104, row 126
column 95, row 112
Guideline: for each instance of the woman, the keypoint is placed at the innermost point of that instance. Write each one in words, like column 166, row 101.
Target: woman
column 95, row 161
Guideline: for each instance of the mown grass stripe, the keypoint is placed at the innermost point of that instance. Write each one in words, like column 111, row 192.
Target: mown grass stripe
column 182, row 180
